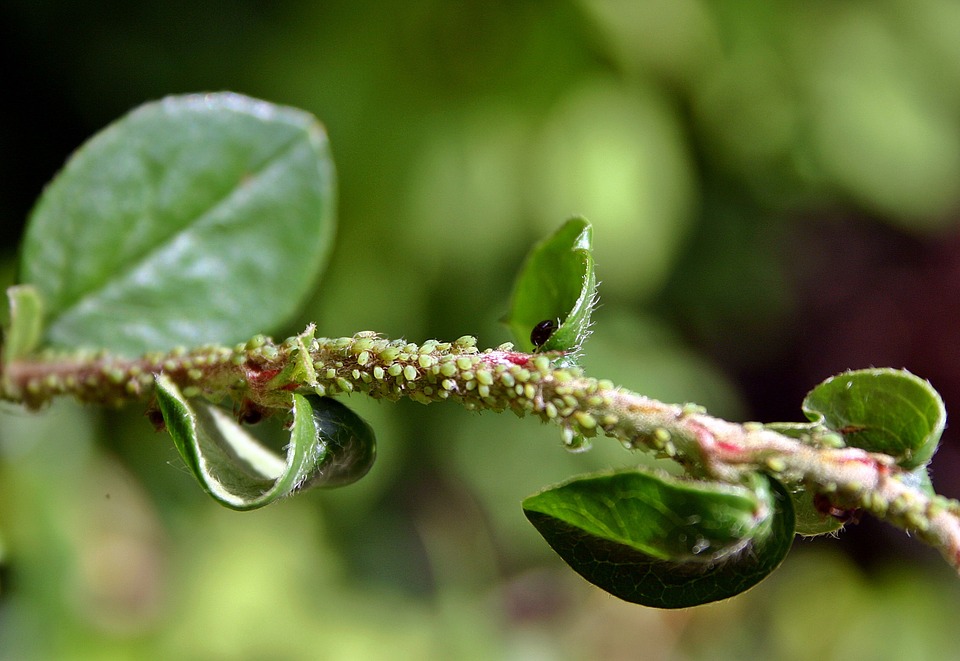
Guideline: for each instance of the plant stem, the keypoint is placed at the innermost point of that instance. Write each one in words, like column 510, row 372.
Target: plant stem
column 261, row 374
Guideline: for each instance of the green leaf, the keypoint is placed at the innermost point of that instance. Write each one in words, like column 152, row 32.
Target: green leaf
column 25, row 328
column 810, row 520
column 556, row 285
column 349, row 444
column 881, row 410
column 194, row 219
column 330, row 446
column 663, row 542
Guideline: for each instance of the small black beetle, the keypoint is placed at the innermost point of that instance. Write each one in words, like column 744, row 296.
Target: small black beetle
column 542, row 332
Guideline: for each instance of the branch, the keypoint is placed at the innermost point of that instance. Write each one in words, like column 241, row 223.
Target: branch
column 260, row 374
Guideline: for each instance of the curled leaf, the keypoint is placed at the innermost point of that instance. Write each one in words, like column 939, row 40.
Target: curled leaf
column 329, row 446
column 555, row 291
column 349, row 445
column 881, row 410
column 659, row 541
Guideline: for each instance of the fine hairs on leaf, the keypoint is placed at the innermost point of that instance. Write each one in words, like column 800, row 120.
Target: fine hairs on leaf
column 149, row 274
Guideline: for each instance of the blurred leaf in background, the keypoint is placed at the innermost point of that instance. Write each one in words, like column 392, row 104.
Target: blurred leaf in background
column 773, row 191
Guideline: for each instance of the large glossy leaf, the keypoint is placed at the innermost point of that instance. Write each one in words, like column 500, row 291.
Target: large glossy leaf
column 330, row 446
column 194, row 219
column 555, row 291
column 658, row 541
column 881, row 410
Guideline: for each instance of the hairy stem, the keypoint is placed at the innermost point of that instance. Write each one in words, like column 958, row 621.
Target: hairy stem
column 260, row 375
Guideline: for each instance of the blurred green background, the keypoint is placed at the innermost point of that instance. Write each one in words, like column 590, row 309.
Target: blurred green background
column 775, row 190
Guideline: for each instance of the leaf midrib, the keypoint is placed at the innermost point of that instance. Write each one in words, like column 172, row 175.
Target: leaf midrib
column 132, row 264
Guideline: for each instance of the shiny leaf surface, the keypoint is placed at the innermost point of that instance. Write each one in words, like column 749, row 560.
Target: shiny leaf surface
column 194, row 219
column 658, row 541
column 329, row 446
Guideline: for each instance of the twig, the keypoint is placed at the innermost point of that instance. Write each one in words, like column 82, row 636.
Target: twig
column 260, row 375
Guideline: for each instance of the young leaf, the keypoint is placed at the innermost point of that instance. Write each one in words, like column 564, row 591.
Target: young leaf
column 811, row 519
column 191, row 220
column 881, row 410
column 555, row 291
column 22, row 334
column 329, row 446
column 658, row 541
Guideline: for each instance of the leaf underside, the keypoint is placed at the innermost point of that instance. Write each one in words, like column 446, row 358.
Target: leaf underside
column 330, row 446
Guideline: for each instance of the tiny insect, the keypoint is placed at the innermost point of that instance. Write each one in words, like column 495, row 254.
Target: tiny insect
column 542, row 332
column 249, row 413
column 842, row 514
column 156, row 419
